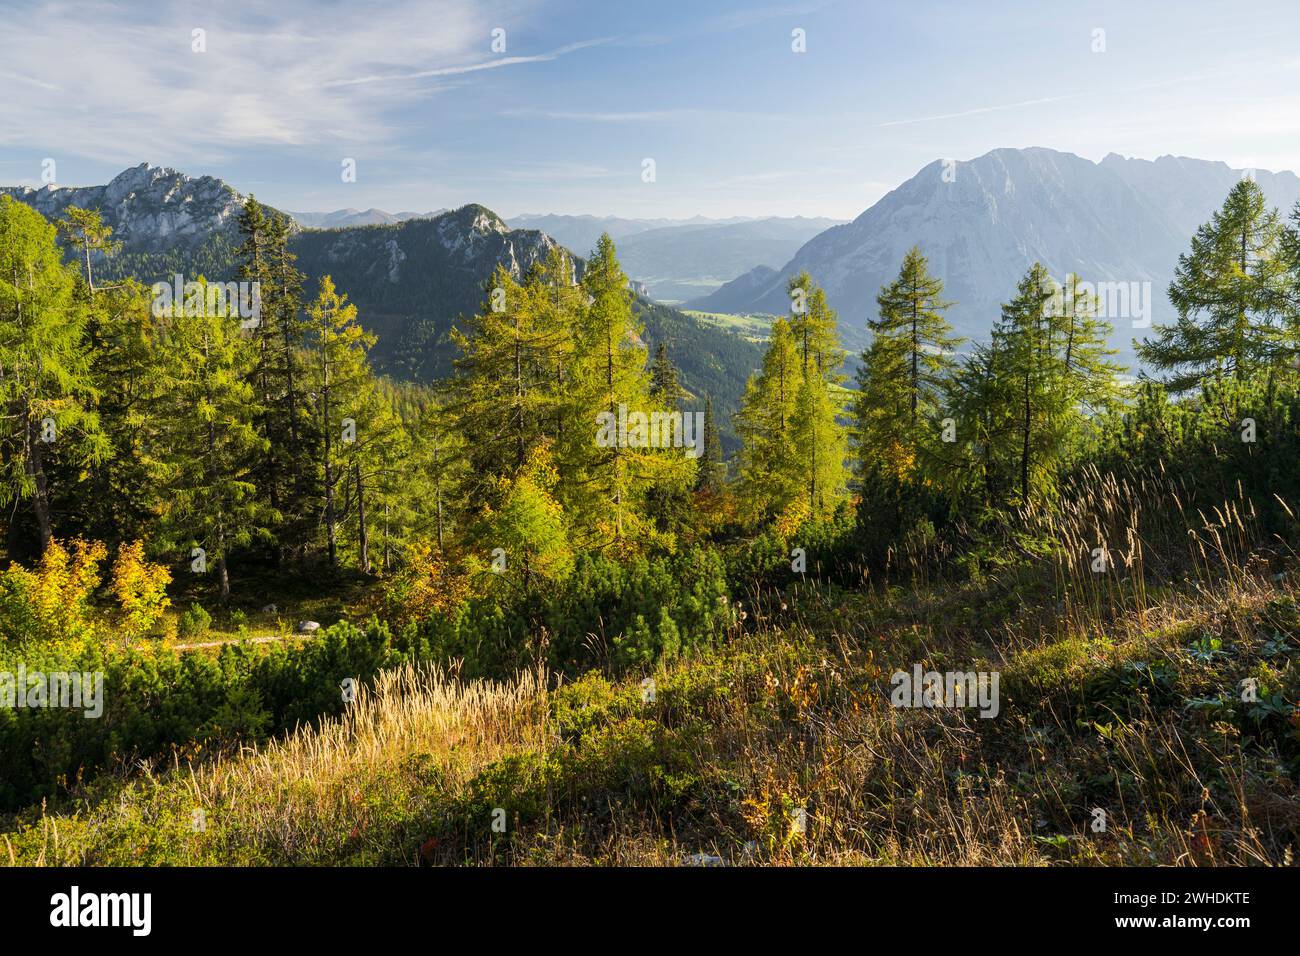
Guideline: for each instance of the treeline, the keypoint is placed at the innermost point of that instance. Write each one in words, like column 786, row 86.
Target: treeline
column 261, row 433
column 216, row 439
column 949, row 436
column 520, row 513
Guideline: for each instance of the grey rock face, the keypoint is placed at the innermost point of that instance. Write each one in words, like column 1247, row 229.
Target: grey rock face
column 150, row 208
column 983, row 225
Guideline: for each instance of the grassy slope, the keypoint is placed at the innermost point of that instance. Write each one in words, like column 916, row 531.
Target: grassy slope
column 1135, row 713
column 753, row 327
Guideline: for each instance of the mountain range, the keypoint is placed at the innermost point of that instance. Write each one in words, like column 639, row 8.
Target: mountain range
column 983, row 222
column 685, row 258
column 340, row 218
column 411, row 280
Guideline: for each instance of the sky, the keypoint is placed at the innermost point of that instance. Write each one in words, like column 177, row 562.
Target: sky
column 557, row 105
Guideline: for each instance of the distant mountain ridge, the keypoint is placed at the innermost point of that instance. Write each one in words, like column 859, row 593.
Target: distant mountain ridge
column 680, row 259
column 1119, row 220
column 411, row 280
column 340, row 218
column 151, row 208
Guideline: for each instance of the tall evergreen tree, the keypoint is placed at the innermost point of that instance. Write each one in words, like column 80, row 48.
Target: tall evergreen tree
column 664, row 383
column 288, row 423
column 713, row 470
column 903, row 372
column 768, row 471
column 1024, row 355
column 820, row 445
column 127, row 345
column 85, row 229
column 1230, row 294
column 340, row 377
column 208, row 444
column 502, row 394
column 611, row 478
column 46, row 385
column 812, row 322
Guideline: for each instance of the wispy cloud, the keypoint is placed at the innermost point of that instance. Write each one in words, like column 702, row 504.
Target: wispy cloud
column 639, row 116
column 292, row 74
column 27, row 80
column 472, row 67
column 976, row 111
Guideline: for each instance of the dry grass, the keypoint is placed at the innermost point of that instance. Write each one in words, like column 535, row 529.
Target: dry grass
column 1106, row 704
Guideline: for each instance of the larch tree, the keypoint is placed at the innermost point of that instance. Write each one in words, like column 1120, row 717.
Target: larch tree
column 903, row 371
column 47, row 395
column 616, row 467
column 85, row 229
column 1230, row 294
column 769, row 474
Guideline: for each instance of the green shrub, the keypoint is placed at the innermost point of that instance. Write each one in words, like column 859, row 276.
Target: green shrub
column 195, row 622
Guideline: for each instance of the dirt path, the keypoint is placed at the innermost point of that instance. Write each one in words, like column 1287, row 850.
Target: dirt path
column 260, row 639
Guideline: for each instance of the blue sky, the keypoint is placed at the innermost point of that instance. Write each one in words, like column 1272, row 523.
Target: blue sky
column 736, row 122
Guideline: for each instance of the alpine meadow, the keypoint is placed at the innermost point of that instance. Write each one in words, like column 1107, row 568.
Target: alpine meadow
column 787, row 495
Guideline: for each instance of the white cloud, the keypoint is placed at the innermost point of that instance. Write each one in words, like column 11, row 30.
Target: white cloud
column 118, row 83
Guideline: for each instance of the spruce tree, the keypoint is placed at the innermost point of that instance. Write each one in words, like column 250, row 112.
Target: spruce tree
column 664, row 384
column 712, row 469
column 339, row 378
column 207, row 442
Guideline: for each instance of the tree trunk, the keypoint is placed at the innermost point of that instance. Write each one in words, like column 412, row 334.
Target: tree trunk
column 1024, row 453
column 363, row 539
column 41, row 498
column 916, row 372
column 325, row 432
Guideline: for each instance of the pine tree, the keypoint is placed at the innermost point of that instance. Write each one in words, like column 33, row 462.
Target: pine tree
column 1230, row 291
